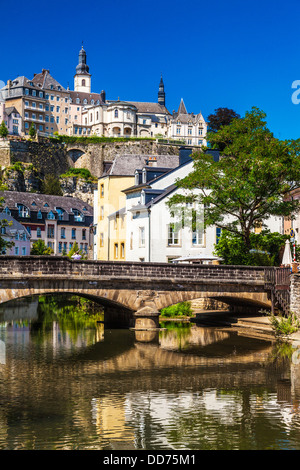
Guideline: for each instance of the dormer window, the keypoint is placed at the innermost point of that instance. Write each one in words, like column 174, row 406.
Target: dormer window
column 7, row 211
column 136, row 178
column 144, row 176
column 39, row 215
column 78, row 217
column 50, row 216
column 23, row 211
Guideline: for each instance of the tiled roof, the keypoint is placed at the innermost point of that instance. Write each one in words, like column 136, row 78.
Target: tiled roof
column 36, row 201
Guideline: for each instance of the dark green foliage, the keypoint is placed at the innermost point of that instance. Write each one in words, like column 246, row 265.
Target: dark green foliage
column 250, row 182
column 32, row 131
column 221, row 117
column 79, row 172
column 3, row 130
column 265, row 249
column 94, row 139
column 51, row 185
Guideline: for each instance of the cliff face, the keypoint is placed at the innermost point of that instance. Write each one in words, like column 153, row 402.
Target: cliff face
column 39, row 159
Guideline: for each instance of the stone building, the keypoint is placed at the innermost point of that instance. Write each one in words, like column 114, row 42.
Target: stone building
column 28, row 100
column 57, row 220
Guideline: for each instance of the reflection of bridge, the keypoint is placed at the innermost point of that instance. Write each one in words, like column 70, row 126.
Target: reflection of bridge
column 137, row 291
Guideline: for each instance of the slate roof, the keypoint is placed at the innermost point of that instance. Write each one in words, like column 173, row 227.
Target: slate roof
column 13, row 225
column 153, row 108
column 36, row 202
column 85, row 96
column 44, row 80
column 125, row 165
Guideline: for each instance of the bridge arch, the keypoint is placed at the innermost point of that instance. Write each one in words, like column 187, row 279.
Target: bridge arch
column 75, row 153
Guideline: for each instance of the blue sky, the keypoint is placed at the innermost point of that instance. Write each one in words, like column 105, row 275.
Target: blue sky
column 233, row 53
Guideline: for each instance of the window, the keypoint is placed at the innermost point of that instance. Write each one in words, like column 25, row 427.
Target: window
column 41, row 106
column 83, row 234
column 38, row 232
column 116, row 250
column 190, row 131
column 101, row 212
column 102, row 190
column 218, row 234
column 73, row 233
column 198, row 237
column 122, row 250
column 101, row 239
column 178, row 130
column 78, row 217
column 33, row 93
column 16, row 250
column 28, row 230
column 23, row 250
column 57, row 109
column 116, row 113
column 62, row 232
column 83, row 82
column 23, row 211
column 40, row 117
column 199, row 131
column 50, row 231
column 60, row 247
column 141, row 237
column 51, row 216
column 41, row 94
column 26, row 91
column 173, row 235
column 39, row 215
column 3, row 230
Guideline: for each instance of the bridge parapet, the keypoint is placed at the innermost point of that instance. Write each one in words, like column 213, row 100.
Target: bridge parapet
column 63, row 266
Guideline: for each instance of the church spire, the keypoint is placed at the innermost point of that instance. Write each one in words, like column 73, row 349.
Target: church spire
column 82, row 79
column 161, row 93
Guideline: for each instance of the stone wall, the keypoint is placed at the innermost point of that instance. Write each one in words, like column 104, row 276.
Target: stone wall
column 295, row 294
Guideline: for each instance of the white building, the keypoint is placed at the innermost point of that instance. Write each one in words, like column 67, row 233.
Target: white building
column 154, row 232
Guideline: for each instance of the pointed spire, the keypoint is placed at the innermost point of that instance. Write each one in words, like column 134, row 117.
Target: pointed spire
column 161, row 93
column 182, row 108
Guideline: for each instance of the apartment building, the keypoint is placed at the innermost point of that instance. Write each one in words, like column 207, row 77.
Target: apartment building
column 57, row 220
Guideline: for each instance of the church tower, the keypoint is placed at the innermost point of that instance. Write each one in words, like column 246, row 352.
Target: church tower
column 82, row 78
column 161, row 93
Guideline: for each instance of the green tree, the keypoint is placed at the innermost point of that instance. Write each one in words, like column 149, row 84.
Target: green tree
column 3, row 130
column 32, row 131
column 51, row 185
column 39, row 248
column 250, row 182
column 221, row 117
column 266, row 249
column 75, row 249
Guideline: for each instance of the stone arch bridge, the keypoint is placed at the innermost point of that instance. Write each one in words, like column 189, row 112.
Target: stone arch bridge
column 135, row 292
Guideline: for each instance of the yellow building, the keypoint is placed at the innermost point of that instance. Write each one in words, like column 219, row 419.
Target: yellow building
column 110, row 201
column 111, row 226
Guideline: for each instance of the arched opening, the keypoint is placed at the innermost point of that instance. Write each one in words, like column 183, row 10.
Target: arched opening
column 116, row 131
column 75, row 154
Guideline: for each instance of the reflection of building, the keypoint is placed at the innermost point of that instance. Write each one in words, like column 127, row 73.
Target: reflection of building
column 58, row 221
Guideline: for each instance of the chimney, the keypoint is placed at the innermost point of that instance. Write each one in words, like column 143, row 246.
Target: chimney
column 103, row 96
column 185, row 155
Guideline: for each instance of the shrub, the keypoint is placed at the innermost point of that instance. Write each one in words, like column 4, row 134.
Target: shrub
column 182, row 309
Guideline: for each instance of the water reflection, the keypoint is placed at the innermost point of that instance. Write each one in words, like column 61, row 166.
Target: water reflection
column 66, row 382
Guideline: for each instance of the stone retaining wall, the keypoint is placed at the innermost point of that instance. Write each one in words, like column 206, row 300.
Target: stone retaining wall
column 295, row 294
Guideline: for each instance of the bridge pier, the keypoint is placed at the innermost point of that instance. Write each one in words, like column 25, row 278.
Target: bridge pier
column 146, row 318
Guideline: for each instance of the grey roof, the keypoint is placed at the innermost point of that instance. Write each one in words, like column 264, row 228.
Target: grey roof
column 35, row 201
column 153, row 108
column 85, row 96
column 44, row 80
column 10, row 110
column 13, row 225
column 125, row 165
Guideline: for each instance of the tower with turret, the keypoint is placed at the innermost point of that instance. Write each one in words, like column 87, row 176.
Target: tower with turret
column 82, row 78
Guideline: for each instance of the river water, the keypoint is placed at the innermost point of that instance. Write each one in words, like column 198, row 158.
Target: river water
column 68, row 383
